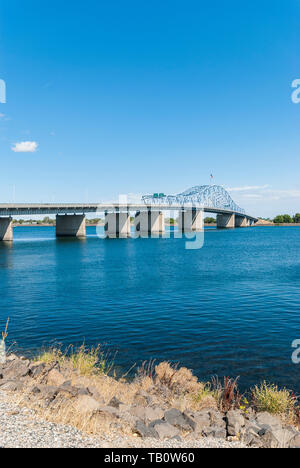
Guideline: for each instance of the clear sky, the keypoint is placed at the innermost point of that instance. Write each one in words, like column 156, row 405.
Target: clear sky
column 110, row 97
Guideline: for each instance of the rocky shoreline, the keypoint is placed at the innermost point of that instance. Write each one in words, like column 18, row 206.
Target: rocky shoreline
column 145, row 413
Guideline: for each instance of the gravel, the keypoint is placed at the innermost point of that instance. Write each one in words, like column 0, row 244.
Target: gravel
column 22, row 428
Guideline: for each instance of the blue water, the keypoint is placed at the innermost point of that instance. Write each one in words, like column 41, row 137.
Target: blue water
column 230, row 308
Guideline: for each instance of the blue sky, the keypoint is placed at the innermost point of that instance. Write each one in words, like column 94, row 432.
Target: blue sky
column 137, row 97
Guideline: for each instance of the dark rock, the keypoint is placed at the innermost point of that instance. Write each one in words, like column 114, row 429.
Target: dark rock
column 69, row 390
column 146, row 414
column 144, row 431
column 35, row 390
column 165, row 430
column 109, row 411
column 216, row 418
column 67, row 383
column 268, row 420
column 180, row 420
column 95, row 394
column 16, row 369
column 48, row 393
column 295, row 441
column 83, row 391
column 35, row 370
column 252, row 439
column 115, row 403
column 11, row 385
column 156, row 421
column 217, row 432
column 235, row 422
column 276, row 438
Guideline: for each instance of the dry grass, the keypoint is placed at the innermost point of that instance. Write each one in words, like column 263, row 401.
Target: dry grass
column 179, row 380
column 268, row 397
column 206, row 397
column 176, row 386
column 82, row 359
column 163, row 385
column 51, row 356
column 227, row 394
column 4, row 334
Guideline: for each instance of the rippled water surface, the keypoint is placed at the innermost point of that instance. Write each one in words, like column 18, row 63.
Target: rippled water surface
column 230, row 308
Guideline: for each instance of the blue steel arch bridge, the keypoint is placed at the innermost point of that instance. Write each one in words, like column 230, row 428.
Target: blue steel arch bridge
column 208, row 196
column 149, row 213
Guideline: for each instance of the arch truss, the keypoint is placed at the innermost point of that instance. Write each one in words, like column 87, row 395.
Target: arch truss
column 208, row 196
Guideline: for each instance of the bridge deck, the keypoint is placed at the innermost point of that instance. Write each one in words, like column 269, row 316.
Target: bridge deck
column 23, row 209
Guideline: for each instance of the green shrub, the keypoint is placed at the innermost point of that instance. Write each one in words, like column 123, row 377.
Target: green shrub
column 268, row 397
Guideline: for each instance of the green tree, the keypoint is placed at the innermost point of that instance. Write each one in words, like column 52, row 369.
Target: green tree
column 209, row 220
column 297, row 218
column 287, row 219
column 279, row 219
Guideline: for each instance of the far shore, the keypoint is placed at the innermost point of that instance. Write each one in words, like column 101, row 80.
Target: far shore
column 168, row 225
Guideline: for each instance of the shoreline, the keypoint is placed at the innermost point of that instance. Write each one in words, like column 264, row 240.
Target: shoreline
column 167, row 225
column 163, row 406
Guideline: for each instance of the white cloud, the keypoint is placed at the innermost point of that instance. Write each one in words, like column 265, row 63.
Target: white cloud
column 2, row 115
column 266, row 200
column 246, row 188
column 253, row 195
column 25, row 147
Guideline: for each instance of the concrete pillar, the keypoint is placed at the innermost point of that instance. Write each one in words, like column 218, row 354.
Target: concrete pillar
column 117, row 225
column 70, row 226
column 6, row 229
column 190, row 220
column 149, row 223
column 241, row 221
column 225, row 221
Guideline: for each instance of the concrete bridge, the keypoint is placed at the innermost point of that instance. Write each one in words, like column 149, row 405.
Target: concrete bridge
column 148, row 214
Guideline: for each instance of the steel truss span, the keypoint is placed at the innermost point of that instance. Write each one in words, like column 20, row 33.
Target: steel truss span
column 209, row 196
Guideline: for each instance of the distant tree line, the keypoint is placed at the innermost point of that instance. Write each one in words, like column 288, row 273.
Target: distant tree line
column 46, row 220
column 173, row 221
column 285, row 219
column 209, row 220
column 51, row 221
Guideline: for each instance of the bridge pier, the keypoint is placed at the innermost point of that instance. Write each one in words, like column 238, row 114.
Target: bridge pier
column 225, row 221
column 6, row 229
column 241, row 221
column 149, row 223
column 190, row 220
column 117, row 225
column 70, row 226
